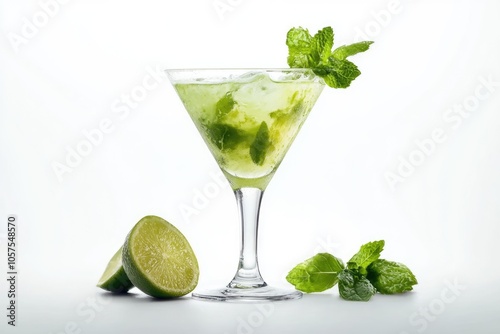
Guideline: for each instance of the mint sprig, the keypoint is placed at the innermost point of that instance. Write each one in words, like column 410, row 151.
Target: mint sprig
column 364, row 275
column 315, row 52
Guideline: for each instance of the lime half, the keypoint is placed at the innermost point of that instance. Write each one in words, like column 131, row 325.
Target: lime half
column 114, row 278
column 159, row 260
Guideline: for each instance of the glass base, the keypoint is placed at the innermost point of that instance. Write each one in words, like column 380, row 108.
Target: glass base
column 260, row 294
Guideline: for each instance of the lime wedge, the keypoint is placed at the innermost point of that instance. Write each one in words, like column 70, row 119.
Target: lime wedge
column 159, row 260
column 114, row 278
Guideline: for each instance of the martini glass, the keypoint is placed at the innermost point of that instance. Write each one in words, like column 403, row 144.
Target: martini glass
column 248, row 118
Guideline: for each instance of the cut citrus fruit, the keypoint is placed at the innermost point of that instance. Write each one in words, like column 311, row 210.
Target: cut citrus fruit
column 159, row 260
column 114, row 278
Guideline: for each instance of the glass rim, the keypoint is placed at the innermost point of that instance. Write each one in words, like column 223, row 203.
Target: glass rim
column 273, row 69
column 216, row 75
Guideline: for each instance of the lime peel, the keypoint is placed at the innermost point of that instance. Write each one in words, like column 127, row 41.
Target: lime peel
column 114, row 278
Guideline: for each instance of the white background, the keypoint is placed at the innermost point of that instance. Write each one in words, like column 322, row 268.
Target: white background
column 331, row 193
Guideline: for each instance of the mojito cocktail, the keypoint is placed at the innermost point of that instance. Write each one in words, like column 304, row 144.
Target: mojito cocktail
column 248, row 119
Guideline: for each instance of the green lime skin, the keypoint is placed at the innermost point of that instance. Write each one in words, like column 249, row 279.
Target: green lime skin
column 159, row 260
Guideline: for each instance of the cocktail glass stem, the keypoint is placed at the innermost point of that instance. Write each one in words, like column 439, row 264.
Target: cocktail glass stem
column 248, row 275
column 248, row 285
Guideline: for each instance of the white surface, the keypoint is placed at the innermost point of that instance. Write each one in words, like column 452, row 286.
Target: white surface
column 330, row 193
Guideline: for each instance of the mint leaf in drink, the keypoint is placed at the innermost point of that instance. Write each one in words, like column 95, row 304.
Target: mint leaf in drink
column 315, row 52
column 225, row 105
column 368, row 253
column 224, row 136
column 342, row 52
column 259, row 146
column 391, row 277
column 316, row 274
column 354, row 286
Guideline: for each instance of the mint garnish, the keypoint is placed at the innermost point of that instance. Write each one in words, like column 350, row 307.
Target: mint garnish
column 364, row 276
column 342, row 52
column 315, row 52
column 354, row 286
column 258, row 148
column 391, row 277
column 316, row 274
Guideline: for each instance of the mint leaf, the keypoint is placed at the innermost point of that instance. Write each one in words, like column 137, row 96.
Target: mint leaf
column 306, row 51
column 368, row 253
column 225, row 105
column 338, row 74
column 259, row 146
column 354, row 286
column 316, row 274
column 342, row 52
column 224, row 136
column 391, row 277
column 322, row 44
column 298, row 41
column 315, row 52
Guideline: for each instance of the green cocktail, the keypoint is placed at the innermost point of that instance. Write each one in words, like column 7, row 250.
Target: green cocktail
column 248, row 119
